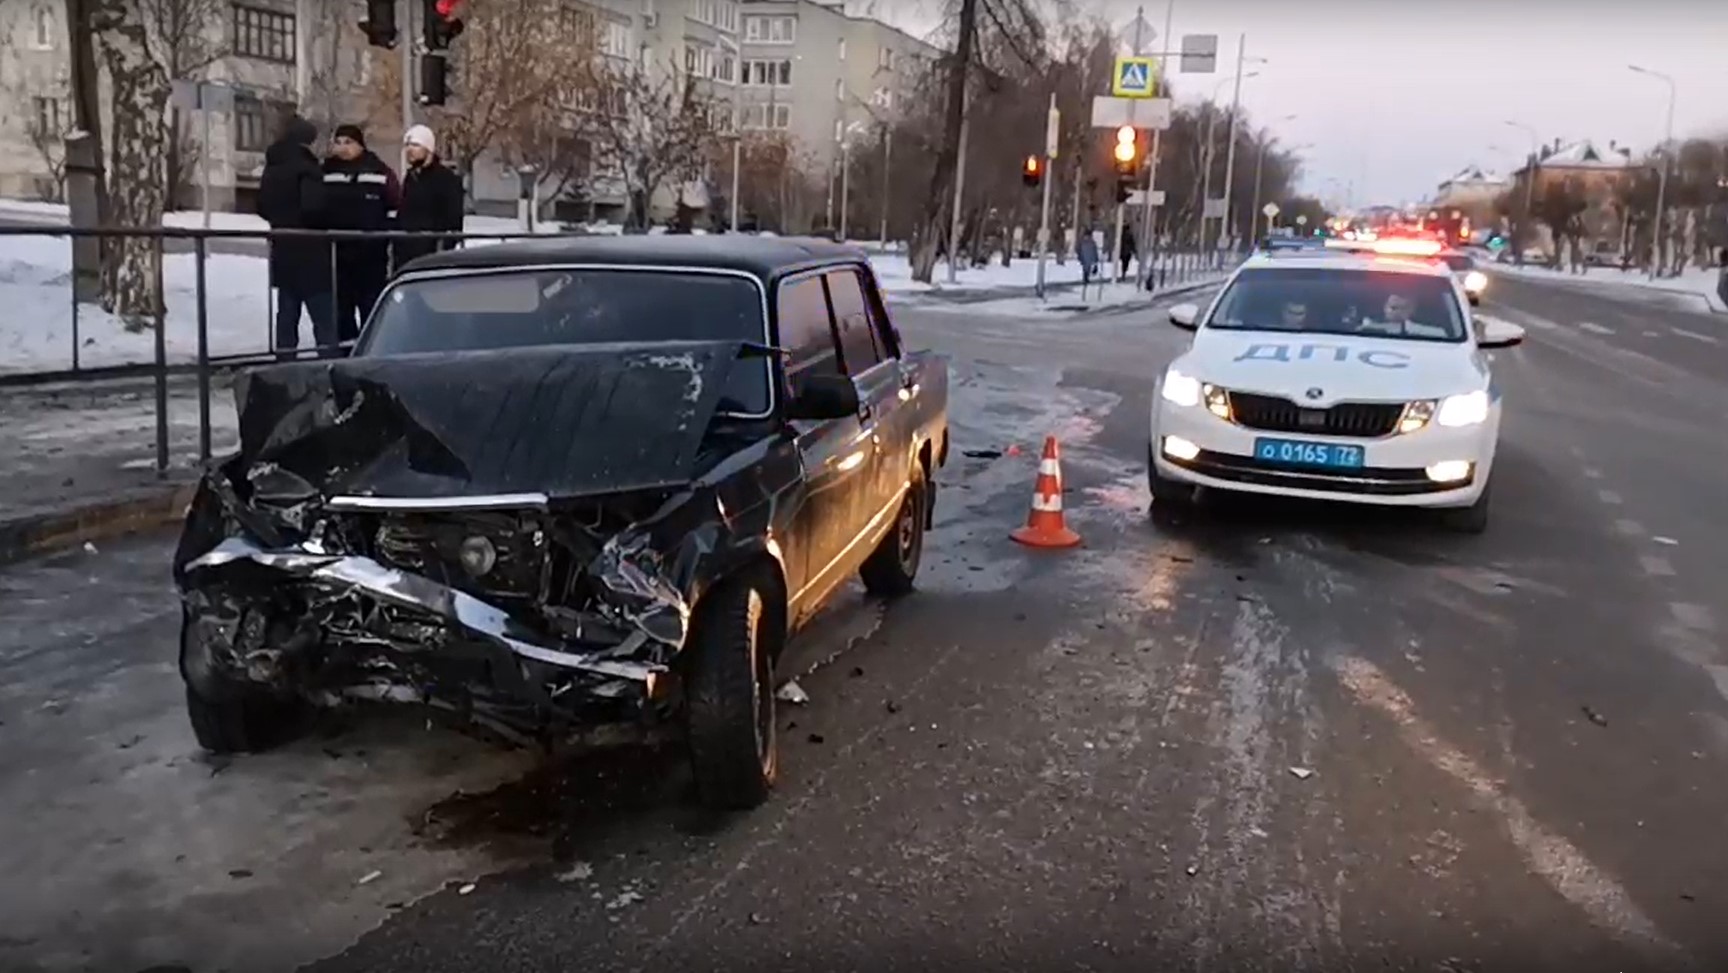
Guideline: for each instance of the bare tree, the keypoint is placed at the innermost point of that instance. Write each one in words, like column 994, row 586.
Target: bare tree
column 186, row 46
column 652, row 127
column 138, row 91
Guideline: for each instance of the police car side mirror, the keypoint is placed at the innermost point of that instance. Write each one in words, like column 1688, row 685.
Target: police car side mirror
column 1499, row 334
column 1184, row 315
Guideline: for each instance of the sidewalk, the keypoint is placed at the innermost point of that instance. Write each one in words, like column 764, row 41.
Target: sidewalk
column 1693, row 283
column 81, row 460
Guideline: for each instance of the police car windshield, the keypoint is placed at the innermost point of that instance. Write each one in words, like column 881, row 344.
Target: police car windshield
column 1317, row 300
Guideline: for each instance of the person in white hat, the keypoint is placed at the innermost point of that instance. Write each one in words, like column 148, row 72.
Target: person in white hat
column 431, row 196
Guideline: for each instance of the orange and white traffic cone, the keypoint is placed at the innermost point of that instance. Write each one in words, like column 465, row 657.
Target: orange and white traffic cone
column 1045, row 526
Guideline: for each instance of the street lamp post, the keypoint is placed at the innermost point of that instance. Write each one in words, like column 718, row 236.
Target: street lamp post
column 1207, row 155
column 1530, row 171
column 1667, row 161
column 1260, row 164
column 1242, row 58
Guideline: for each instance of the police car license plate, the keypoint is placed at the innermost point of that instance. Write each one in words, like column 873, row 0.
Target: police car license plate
column 1303, row 453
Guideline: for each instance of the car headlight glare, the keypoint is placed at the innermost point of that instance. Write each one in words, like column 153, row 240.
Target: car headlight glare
column 1180, row 389
column 1475, row 282
column 1463, row 410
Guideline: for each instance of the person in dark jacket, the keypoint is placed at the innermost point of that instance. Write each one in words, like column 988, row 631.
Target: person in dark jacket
column 431, row 196
column 361, row 193
column 291, row 196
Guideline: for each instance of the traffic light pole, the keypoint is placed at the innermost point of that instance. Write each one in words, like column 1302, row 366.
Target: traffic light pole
column 408, row 36
column 1051, row 133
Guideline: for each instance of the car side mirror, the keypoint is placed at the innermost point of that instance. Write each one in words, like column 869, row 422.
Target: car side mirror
column 1184, row 315
column 1499, row 334
column 823, row 397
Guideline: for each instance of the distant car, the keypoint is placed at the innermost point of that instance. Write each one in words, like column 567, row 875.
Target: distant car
column 1463, row 267
column 562, row 485
column 1333, row 377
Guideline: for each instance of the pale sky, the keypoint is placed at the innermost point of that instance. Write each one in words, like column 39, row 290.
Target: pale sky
column 1396, row 94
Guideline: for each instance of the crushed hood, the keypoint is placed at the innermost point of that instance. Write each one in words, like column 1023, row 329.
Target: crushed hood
column 1343, row 367
column 565, row 421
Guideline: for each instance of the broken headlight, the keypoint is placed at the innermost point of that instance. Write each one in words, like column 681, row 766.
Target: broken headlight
column 478, row 556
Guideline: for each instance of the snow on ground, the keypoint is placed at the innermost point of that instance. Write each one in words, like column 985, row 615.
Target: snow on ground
column 55, row 213
column 1700, row 283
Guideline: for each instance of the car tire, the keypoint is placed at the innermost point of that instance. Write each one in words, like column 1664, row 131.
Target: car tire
column 890, row 570
column 1468, row 520
column 1167, row 494
column 729, row 694
column 243, row 723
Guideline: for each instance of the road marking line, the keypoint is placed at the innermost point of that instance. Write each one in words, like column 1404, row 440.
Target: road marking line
column 1557, row 861
column 1695, row 617
column 1631, row 528
column 1695, row 336
column 1592, row 472
column 1594, row 328
column 1656, row 565
column 1608, row 496
column 1652, row 334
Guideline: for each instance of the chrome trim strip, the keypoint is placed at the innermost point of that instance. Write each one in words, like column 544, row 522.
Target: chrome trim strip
column 761, row 292
column 495, row 501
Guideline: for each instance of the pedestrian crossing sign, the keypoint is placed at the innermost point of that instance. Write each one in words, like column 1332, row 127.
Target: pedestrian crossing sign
column 1135, row 77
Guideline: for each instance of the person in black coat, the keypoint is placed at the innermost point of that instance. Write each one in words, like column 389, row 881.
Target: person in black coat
column 291, row 196
column 361, row 193
column 431, row 197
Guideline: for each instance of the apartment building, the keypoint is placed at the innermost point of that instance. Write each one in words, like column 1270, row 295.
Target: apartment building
column 817, row 73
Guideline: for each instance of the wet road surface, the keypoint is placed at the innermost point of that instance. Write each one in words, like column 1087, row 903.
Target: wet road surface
column 1271, row 736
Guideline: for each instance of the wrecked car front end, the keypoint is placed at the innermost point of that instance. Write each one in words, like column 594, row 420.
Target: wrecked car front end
column 517, row 536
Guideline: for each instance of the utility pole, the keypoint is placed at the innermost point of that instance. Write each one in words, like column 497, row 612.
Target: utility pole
column 303, row 18
column 1662, row 177
column 1230, row 152
column 1148, row 223
column 959, row 174
column 845, row 180
column 737, row 165
column 410, row 35
column 887, row 161
column 1052, row 135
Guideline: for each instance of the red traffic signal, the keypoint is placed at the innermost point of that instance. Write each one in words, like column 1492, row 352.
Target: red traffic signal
column 443, row 23
column 1032, row 173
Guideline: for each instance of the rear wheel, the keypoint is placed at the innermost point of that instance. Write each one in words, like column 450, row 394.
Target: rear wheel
column 729, row 710
column 1468, row 520
column 892, row 567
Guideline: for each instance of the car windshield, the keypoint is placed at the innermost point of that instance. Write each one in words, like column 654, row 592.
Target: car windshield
column 1381, row 303
column 1459, row 262
column 575, row 306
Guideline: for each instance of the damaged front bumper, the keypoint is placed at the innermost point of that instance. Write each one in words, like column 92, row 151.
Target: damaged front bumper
column 325, row 626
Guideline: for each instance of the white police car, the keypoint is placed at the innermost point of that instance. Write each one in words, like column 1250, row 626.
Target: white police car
column 1334, row 376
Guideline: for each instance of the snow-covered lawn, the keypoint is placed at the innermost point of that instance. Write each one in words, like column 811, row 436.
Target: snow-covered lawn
column 55, row 214
column 1701, row 283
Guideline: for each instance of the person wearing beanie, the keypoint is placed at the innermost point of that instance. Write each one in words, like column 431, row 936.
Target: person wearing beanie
column 362, row 193
column 431, row 196
column 291, row 197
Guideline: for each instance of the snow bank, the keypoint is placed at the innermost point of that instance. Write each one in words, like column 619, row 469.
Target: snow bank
column 1699, row 283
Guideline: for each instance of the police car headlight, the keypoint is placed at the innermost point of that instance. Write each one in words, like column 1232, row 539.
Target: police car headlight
column 1463, row 410
column 1475, row 282
column 1180, row 389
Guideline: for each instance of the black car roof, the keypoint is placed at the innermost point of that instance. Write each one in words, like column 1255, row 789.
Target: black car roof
column 763, row 257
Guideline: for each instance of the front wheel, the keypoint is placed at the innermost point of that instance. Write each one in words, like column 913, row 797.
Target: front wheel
column 1168, row 496
column 729, row 709
column 1468, row 520
column 244, row 723
column 892, row 567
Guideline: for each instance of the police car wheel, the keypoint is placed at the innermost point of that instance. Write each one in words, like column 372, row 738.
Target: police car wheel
column 1468, row 520
column 1166, row 493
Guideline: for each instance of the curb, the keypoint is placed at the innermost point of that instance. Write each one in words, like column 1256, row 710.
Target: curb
column 140, row 510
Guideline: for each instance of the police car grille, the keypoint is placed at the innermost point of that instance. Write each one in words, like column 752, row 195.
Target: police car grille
column 1273, row 414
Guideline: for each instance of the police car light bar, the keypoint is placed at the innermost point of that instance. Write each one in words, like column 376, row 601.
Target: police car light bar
column 1407, row 248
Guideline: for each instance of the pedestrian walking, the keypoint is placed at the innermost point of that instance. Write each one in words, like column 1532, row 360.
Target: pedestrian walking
column 431, row 197
column 1127, row 252
column 291, row 197
column 361, row 193
column 1086, row 249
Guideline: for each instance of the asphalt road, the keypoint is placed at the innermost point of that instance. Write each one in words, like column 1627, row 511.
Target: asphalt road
column 1275, row 736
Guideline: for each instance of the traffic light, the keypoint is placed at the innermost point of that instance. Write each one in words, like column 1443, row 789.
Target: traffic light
column 443, row 23
column 1127, row 156
column 1032, row 173
column 380, row 23
column 434, row 79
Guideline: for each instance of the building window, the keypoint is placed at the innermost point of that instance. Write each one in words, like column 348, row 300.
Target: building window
column 42, row 32
column 615, row 40
column 577, row 21
column 842, row 48
column 267, row 35
column 839, row 89
column 771, row 30
column 882, row 98
column 47, row 119
column 702, row 11
column 727, row 19
column 885, row 59
column 767, row 73
column 699, row 61
column 251, row 125
column 720, row 116
column 726, row 68
column 776, row 116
